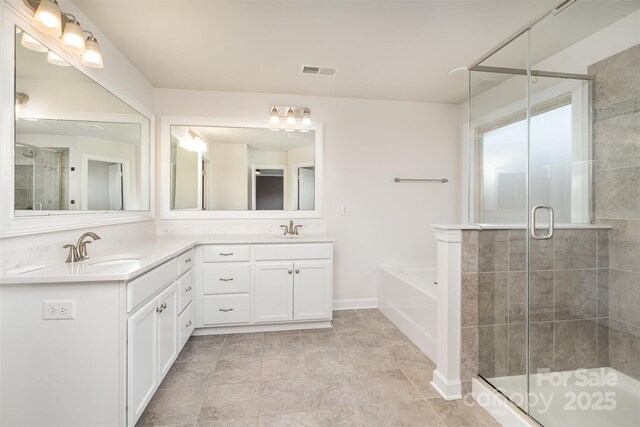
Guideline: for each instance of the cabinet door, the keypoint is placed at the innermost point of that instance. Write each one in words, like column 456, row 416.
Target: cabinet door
column 273, row 296
column 142, row 359
column 312, row 291
column 167, row 329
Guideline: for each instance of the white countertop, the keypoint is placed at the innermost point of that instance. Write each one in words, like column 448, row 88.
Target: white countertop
column 154, row 252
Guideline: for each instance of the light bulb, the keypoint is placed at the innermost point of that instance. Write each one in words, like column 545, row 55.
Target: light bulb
column 32, row 44
column 73, row 38
column 306, row 117
column 274, row 116
column 53, row 58
column 93, row 54
column 48, row 18
column 291, row 118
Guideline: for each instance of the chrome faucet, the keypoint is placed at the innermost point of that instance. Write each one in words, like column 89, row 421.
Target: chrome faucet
column 291, row 230
column 79, row 251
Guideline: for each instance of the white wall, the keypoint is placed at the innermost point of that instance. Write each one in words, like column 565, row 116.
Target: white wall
column 228, row 180
column 367, row 143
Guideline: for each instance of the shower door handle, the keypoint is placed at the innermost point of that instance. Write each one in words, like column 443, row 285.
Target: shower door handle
column 532, row 225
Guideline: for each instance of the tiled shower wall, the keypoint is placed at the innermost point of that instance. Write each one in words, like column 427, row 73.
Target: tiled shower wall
column 569, row 301
column 617, row 197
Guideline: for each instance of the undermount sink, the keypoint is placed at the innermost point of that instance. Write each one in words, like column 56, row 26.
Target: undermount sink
column 115, row 259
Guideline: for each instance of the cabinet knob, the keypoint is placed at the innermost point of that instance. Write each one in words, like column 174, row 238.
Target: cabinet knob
column 226, row 309
column 159, row 309
column 297, row 271
column 188, row 324
column 290, row 272
column 163, row 305
column 188, row 289
column 188, row 260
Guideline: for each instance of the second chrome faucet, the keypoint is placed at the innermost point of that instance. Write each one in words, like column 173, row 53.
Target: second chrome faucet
column 291, row 230
column 78, row 252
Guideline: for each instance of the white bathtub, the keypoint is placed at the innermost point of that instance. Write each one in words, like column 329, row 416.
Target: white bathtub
column 408, row 296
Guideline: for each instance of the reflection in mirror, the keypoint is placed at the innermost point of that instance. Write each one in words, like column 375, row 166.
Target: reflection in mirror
column 240, row 169
column 77, row 146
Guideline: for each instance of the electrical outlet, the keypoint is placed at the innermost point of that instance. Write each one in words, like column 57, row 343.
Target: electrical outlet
column 344, row 210
column 59, row 310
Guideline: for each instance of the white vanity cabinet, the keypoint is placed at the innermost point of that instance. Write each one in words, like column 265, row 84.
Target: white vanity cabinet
column 158, row 330
column 264, row 284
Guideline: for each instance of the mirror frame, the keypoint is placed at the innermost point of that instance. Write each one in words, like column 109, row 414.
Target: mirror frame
column 17, row 14
column 165, row 177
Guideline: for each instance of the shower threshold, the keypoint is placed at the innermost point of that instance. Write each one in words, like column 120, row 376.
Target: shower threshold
column 594, row 397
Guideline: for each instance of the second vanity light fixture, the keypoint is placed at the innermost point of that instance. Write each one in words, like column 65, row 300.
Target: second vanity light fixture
column 193, row 143
column 293, row 114
column 49, row 19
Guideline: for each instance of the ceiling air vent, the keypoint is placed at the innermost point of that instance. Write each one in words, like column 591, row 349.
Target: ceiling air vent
column 318, row 71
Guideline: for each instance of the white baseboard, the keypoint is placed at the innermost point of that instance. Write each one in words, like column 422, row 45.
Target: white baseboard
column 448, row 389
column 349, row 304
column 498, row 406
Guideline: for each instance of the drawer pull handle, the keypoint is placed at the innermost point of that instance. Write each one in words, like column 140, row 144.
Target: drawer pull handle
column 226, row 309
column 188, row 260
column 188, row 324
column 226, row 280
column 290, row 272
column 226, row 254
column 188, row 289
column 297, row 271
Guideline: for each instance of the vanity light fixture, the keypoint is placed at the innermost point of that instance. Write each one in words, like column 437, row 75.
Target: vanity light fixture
column 53, row 58
column 294, row 114
column 193, row 143
column 73, row 36
column 93, row 54
column 21, row 99
column 32, row 44
column 306, row 117
column 48, row 18
column 291, row 117
column 274, row 116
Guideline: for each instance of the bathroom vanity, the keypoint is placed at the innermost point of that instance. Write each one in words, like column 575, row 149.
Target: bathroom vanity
column 107, row 330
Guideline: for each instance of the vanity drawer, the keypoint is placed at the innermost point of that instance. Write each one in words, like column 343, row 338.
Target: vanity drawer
column 186, row 260
column 186, row 290
column 228, row 253
column 292, row 251
column 144, row 287
column 186, row 324
column 225, row 309
column 229, row 278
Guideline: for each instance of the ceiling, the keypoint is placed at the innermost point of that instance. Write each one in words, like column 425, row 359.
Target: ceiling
column 118, row 132
column 395, row 50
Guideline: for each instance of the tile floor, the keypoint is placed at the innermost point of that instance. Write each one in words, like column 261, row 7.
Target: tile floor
column 361, row 372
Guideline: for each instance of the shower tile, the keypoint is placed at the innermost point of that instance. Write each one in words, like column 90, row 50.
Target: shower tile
column 617, row 193
column 617, row 142
column 541, row 252
column 493, row 250
column 575, row 345
column 603, row 248
column 541, row 298
column 575, row 249
column 469, row 251
column 625, row 244
column 493, row 352
column 617, row 77
column 469, row 353
column 493, row 294
column 576, row 294
column 603, row 293
column 624, row 347
column 469, row 299
column 629, row 294
column 517, row 349
column 603, row 342
column 614, row 295
column 541, row 347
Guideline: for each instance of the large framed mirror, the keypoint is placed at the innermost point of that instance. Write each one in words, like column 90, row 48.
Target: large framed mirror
column 240, row 169
column 73, row 146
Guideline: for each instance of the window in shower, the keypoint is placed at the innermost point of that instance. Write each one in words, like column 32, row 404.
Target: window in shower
column 501, row 163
